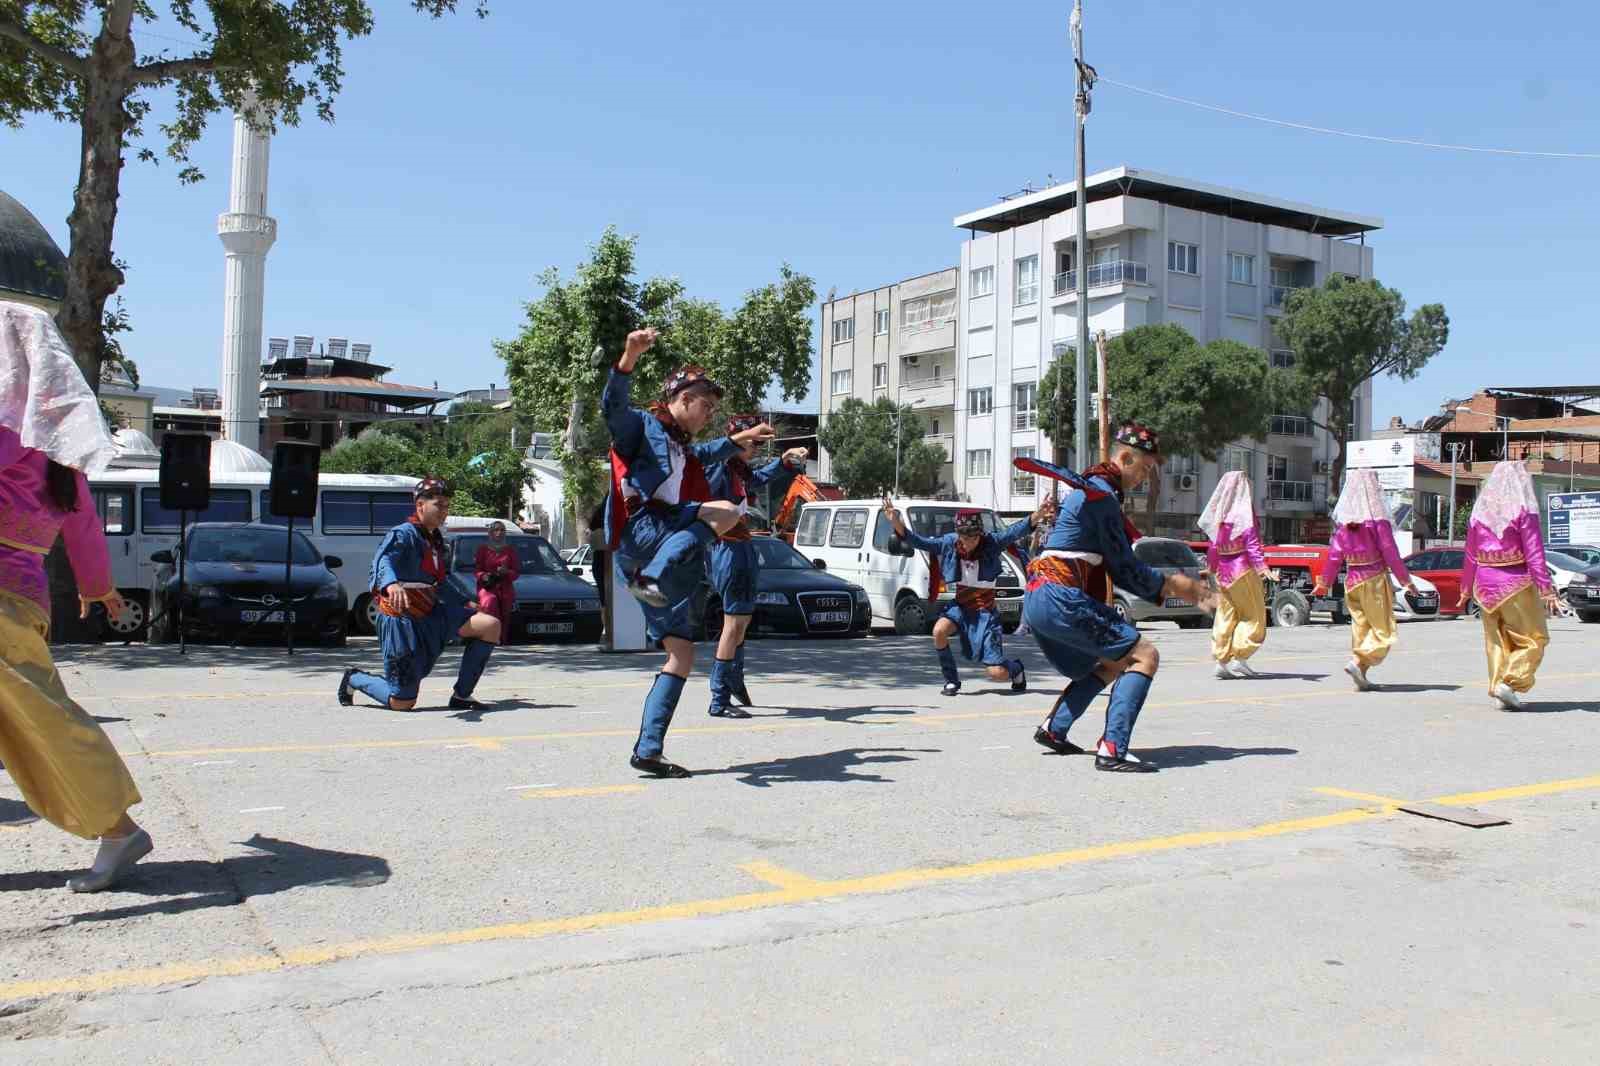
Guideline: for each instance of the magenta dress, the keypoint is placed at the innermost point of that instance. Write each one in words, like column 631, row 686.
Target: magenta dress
column 28, row 528
column 1366, row 552
column 1498, row 567
column 1230, row 556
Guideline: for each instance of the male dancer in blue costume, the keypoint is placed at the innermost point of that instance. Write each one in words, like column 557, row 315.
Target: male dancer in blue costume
column 1067, row 603
column 736, row 562
column 970, row 558
column 661, row 519
column 419, row 612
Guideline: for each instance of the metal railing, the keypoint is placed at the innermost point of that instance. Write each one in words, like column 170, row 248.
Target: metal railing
column 1028, row 419
column 1289, row 491
column 1101, row 275
column 1279, row 293
column 1291, row 425
column 926, row 324
column 1022, row 484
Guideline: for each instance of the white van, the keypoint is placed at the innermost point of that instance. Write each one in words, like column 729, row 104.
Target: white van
column 856, row 541
column 354, row 511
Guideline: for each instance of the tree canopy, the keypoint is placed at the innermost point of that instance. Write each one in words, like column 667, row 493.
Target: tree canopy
column 860, row 438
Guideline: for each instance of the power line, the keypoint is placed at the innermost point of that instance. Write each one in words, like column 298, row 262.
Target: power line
column 1411, row 142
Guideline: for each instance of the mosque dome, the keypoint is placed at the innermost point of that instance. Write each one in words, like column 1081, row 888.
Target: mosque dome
column 134, row 442
column 231, row 457
column 32, row 266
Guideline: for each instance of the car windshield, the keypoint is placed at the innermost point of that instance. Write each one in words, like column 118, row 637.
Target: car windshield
column 1582, row 552
column 1564, row 562
column 776, row 555
column 534, row 554
column 937, row 521
column 242, row 544
column 1164, row 553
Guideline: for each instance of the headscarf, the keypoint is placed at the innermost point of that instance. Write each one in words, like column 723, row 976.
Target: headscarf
column 1232, row 504
column 43, row 395
column 1506, row 497
column 500, row 528
column 1361, row 500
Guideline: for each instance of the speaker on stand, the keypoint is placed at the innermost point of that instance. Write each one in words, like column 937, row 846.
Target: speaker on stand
column 185, row 480
column 293, row 494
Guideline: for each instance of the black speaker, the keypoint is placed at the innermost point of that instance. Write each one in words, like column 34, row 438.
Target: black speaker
column 294, row 479
column 185, row 472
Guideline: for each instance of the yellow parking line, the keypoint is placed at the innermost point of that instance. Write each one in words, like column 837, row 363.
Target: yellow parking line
column 796, row 889
column 1365, row 797
column 777, row 876
column 568, row 793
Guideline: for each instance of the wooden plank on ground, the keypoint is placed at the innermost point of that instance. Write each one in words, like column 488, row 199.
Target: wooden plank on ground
column 1467, row 816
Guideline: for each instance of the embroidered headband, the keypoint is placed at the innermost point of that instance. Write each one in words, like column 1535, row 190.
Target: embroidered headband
column 1140, row 437
column 430, row 487
column 689, row 377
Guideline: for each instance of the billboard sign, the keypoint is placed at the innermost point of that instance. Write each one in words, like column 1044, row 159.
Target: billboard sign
column 1574, row 518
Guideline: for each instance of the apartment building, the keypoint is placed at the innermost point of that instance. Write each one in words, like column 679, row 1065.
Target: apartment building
column 1217, row 261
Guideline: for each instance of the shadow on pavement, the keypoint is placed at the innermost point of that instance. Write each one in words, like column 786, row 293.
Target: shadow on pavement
column 844, row 714
column 827, row 766
column 1557, row 706
column 1380, row 686
column 1184, row 755
column 276, row 866
column 500, row 706
column 15, row 812
column 1264, row 676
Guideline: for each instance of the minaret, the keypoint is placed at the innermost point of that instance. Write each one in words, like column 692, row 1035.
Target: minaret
column 247, row 233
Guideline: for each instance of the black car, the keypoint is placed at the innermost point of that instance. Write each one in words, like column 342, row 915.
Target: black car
column 551, row 600
column 794, row 598
column 234, row 586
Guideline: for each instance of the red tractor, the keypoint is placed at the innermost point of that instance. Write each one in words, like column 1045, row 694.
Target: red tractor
column 1294, row 575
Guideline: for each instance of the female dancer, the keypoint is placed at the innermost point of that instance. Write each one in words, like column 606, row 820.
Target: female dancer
column 496, row 567
column 1234, row 556
column 1363, row 541
column 1505, row 571
column 51, row 431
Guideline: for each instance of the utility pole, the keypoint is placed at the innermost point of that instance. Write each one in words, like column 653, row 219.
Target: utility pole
column 1455, row 457
column 1080, row 112
column 1102, row 399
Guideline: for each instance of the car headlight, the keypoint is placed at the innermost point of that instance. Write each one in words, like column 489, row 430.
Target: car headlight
column 205, row 592
column 1579, row 579
column 330, row 591
column 772, row 599
column 861, row 595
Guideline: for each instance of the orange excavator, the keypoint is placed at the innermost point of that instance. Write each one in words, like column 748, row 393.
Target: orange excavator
column 802, row 490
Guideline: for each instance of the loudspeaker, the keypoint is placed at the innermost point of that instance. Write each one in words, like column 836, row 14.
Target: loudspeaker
column 294, row 479
column 185, row 472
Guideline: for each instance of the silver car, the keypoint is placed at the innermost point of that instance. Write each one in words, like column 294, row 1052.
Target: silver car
column 1165, row 556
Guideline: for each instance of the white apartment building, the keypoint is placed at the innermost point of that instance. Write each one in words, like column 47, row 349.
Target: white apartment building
column 1214, row 260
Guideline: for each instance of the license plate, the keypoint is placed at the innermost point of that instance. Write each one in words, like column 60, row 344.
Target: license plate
column 823, row 618
column 261, row 616
column 1010, row 606
column 1426, row 600
column 549, row 627
column 1173, row 601
column 1593, row 594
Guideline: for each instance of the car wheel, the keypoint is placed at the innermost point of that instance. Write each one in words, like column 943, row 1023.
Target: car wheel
column 1121, row 607
column 130, row 624
column 1473, row 609
column 910, row 618
column 337, row 639
column 1190, row 623
column 1290, row 608
column 1589, row 616
column 1341, row 617
column 164, row 630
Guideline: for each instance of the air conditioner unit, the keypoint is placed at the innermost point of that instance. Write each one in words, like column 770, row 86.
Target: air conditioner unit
column 1321, row 466
column 1187, row 482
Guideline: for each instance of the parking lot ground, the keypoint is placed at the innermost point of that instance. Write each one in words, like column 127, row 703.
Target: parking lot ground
column 864, row 872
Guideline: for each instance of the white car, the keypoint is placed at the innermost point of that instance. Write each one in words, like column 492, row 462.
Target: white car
column 580, row 561
column 1423, row 607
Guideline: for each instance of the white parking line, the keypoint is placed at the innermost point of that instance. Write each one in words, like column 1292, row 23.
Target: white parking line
column 995, row 747
column 514, row 788
column 217, row 762
column 259, row 810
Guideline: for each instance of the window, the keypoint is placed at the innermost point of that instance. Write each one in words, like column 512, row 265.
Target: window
column 933, row 427
column 1025, row 405
column 1280, row 531
column 849, row 528
column 928, row 311
column 840, row 382
column 1235, row 459
column 1283, row 276
column 268, row 518
column 980, row 401
column 115, row 507
column 938, row 371
column 1153, row 551
column 1241, row 268
column 373, row 513
column 937, row 521
column 981, row 281
column 882, row 533
column 880, row 375
column 880, row 322
column 1277, row 468
column 844, row 329
column 1027, row 280
column 1183, row 258
column 1282, row 359
column 1451, row 560
column 227, row 505
column 980, row 463
column 813, row 526
column 1022, row 484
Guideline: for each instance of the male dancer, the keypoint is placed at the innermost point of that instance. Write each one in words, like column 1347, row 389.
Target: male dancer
column 661, row 518
column 971, row 558
column 735, row 562
column 419, row 612
column 1068, row 593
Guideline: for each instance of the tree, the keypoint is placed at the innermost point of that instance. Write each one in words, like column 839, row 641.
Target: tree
column 1349, row 332
column 556, row 379
column 268, row 59
column 486, row 482
column 860, row 437
column 374, row 452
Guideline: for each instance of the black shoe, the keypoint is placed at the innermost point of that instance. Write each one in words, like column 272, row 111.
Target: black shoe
column 728, row 712
column 345, row 697
column 646, row 591
column 951, row 688
column 1118, row 765
column 459, row 704
column 1020, row 682
column 741, row 694
column 1056, row 744
column 658, row 767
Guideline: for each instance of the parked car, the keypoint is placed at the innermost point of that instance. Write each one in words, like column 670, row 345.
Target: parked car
column 1165, row 556
column 1290, row 599
column 551, row 601
column 794, row 598
column 1576, row 583
column 854, row 540
column 234, row 586
column 1441, row 567
column 1588, row 554
column 580, row 561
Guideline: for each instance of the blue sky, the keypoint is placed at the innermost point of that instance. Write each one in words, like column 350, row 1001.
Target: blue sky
column 843, row 138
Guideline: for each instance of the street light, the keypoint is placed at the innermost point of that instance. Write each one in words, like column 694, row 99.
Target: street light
column 1505, row 429
column 899, row 414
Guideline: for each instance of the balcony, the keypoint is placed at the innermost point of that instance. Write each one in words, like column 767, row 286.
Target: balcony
column 1105, row 275
column 1277, row 294
column 1025, row 420
column 1022, row 484
column 1291, row 426
column 947, row 441
column 1296, row 495
column 930, row 392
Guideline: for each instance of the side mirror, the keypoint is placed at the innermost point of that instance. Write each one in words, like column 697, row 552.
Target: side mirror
column 163, row 556
column 897, row 545
column 820, row 564
column 578, row 570
column 332, row 562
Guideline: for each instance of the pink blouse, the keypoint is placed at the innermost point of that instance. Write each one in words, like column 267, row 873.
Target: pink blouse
column 1498, row 567
column 29, row 524
column 1367, row 551
column 1230, row 557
